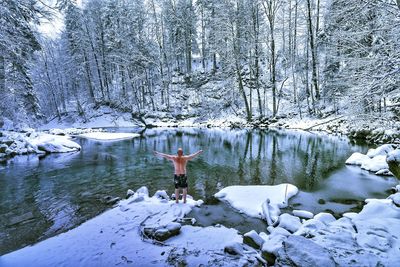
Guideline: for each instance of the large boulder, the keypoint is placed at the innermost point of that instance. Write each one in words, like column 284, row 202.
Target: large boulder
column 162, row 233
column 300, row 251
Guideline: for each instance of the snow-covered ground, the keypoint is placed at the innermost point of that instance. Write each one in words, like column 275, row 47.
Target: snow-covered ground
column 128, row 233
column 116, row 237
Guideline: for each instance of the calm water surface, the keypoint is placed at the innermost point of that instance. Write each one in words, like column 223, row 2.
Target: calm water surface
column 41, row 198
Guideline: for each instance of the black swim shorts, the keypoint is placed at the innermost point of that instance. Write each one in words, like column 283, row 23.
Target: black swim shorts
column 180, row 181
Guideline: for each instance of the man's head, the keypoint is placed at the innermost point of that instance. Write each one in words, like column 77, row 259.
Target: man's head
column 180, row 152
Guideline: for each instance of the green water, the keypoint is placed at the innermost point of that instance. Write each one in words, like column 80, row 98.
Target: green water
column 40, row 198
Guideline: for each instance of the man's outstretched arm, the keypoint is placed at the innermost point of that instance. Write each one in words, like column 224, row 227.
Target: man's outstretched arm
column 156, row 153
column 194, row 154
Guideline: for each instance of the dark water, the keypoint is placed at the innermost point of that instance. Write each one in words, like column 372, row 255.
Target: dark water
column 41, row 198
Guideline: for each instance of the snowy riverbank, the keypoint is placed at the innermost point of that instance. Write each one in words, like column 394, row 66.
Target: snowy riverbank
column 153, row 231
column 55, row 140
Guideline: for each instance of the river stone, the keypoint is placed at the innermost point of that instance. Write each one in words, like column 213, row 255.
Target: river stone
column 253, row 239
column 310, row 227
column 300, row 251
column 289, row 222
column 270, row 248
column 162, row 234
column 112, row 200
column 3, row 148
column 174, row 228
column 325, row 217
column 303, row 214
column 278, row 230
column 6, row 141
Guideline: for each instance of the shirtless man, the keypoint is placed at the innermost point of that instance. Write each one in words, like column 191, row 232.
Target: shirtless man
column 180, row 178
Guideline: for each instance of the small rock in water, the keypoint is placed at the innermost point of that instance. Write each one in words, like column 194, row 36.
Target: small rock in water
column 253, row 239
column 111, row 200
column 321, row 201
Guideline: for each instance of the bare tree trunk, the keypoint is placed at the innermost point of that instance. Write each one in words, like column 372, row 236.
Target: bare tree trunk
column 256, row 28
column 96, row 61
column 313, row 51
column 271, row 8
column 2, row 76
column 88, row 77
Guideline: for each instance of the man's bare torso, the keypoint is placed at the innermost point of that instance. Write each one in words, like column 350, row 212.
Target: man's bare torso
column 179, row 164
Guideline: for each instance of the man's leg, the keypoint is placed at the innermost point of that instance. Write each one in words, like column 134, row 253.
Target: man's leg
column 184, row 194
column 177, row 195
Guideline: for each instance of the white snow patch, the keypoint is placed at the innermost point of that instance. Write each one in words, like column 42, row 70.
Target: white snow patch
column 250, row 198
column 357, row 159
column 382, row 150
column 53, row 143
column 104, row 136
column 394, row 156
column 303, row 214
column 375, row 164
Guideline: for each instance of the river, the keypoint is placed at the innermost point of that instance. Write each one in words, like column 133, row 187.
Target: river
column 40, row 198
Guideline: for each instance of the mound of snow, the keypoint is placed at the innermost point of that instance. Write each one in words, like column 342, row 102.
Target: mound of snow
column 380, row 151
column 393, row 156
column 375, row 164
column 103, row 136
column 53, row 143
column 250, row 198
column 357, row 159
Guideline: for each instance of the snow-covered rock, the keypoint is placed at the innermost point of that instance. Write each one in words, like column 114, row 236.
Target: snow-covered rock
column 325, row 217
column 249, row 199
column 303, row 214
column 253, row 239
column 375, row 164
column 357, row 159
column 53, row 143
column 278, row 231
column 382, row 150
column 310, row 227
column 289, row 222
column 394, row 156
column 300, row 251
column 395, row 198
